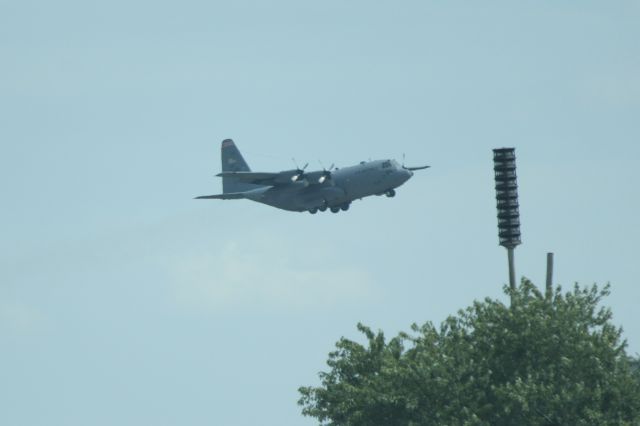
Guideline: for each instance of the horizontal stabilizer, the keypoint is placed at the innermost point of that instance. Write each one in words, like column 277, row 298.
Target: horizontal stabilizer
column 227, row 196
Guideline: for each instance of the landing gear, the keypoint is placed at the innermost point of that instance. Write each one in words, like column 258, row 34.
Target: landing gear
column 334, row 209
column 390, row 193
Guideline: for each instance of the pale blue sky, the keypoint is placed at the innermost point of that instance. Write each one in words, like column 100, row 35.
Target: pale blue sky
column 123, row 301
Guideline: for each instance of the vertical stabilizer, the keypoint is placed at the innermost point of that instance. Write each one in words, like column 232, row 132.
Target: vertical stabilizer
column 232, row 161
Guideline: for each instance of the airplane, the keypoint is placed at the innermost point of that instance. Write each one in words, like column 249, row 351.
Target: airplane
column 300, row 191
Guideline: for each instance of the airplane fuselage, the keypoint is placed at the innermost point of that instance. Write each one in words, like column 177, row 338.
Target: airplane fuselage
column 347, row 184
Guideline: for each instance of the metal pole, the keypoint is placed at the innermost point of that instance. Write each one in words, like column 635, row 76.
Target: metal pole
column 549, row 286
column 512, row 269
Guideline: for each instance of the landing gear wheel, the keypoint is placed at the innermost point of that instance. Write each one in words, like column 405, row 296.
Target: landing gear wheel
column 313, row 210
column 390, row 193
column 322, row 208
column 344, row 207
column 335, row 209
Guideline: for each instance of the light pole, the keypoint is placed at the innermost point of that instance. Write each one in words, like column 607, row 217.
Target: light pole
column 504, row 166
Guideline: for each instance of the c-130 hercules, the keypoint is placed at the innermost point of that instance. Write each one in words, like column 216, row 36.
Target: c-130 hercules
column 298, row 190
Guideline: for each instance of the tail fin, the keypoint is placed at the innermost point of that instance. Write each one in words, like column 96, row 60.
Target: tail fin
column 232, row 161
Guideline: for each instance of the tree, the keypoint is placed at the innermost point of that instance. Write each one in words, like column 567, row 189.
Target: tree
column 554, row 360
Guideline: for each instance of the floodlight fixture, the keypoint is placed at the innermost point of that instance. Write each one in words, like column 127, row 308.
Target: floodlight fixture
column 504, row 166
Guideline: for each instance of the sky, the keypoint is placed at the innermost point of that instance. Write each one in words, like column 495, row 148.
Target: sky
column 124, row 301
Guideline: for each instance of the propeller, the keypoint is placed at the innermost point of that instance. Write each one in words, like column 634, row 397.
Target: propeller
column 326, row 174
column 299, row 171
column 412, row 169
column 415, row 168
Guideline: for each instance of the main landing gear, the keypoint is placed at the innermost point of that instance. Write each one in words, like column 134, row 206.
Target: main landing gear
column 334, row 209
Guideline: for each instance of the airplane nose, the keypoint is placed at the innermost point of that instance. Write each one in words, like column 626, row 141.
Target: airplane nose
column 405, row 175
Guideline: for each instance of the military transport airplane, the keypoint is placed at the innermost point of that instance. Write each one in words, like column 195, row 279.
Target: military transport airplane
column 299, row 190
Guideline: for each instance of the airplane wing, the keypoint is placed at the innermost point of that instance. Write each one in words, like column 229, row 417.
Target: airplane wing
column 317, row 178
column 261, row 178
column 228, row 196
column 250, row 177
column 416, row 168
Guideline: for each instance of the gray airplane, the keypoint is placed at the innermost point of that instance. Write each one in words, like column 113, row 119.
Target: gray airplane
column 299, row 190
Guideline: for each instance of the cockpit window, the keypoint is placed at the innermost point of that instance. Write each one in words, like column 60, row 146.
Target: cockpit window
column 386, row 164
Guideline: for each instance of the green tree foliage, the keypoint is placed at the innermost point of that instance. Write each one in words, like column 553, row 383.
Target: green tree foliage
column 554, row 360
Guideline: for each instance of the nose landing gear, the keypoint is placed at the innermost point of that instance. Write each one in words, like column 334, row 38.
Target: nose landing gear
column 390, row 193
